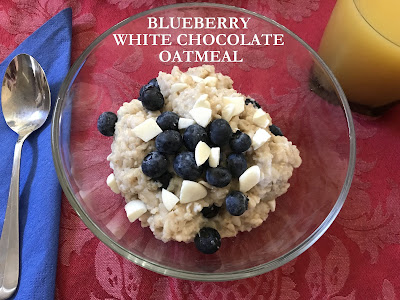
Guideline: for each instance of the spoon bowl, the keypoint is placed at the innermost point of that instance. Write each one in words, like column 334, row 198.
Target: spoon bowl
column 25, row 101
column 25, row 95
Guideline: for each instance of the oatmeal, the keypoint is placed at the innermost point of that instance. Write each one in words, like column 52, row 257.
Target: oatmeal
column 202, row 158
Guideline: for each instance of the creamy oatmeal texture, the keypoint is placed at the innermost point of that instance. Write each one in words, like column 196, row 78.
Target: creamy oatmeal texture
column 277, row 158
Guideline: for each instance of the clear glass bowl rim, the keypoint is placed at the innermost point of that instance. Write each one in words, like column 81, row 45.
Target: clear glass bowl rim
column 164, row 270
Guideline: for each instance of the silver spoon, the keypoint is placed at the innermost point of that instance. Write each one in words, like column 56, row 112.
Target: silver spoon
column 25, row 100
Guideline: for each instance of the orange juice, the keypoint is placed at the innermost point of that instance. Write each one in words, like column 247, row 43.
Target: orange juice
column 361, row 45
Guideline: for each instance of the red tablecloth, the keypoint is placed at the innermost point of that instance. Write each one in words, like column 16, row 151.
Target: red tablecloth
column 357, row 258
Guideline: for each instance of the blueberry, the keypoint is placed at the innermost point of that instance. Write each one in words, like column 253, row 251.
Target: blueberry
column 168, row 120
column 220, row 132
column 169, row 142
column 152, row 99
column 164, row 179
column 236, row 203
column 154, row 164
column 240, row 142
column 210, row 211
column 218, row 176
column 185, row 166
column 194, row 134
column 106, row 123
column 253, row 102
column 275, row 130
column 207, row 240
column 151, row 83
column 237, row 164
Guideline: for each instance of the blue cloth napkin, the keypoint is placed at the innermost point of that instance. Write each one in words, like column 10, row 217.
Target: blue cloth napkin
column 40, row 192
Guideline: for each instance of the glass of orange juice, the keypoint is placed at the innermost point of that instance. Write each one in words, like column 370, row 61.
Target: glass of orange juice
column 361, row 45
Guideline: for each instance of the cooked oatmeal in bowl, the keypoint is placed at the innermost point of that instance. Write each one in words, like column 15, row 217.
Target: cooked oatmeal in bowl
column 196, row 160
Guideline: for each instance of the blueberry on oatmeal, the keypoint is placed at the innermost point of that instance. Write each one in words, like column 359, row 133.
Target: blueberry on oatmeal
column 275, row 130
column 218, row 176
column 164, row 179
column 193, row 135
column 154, row 164
column 236, row 203
column 207, row 240
column 106, row 123
column 168, row 120
column 168, row 142
column 237, row 164
column 152, row 83
column 252, row 102
column 240, row 142
column 185, row 166
column 210, row 211
column 152, row 99
column 220, row 132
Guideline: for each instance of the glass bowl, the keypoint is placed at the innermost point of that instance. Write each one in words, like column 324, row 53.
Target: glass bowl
column 284, row 79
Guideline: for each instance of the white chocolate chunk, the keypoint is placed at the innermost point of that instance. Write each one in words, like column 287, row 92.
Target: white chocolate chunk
column 134, row 209
column 112, row 183
column 185, row 123
column 237, row 101
column 249, row 178
column 260, row 118
column 192, row 191
column 202, row 97
column 272, row 205
column 148, row 130
column 210, row 81
column 227, row 112
column 169, row 199
column 213, row 160
column 201, row 115
column 202, row 102
column 201, row 153
column 177, row 87
column 196, row 78
column 260, row 137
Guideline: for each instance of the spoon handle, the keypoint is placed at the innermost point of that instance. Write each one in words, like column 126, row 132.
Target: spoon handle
column 9, row 242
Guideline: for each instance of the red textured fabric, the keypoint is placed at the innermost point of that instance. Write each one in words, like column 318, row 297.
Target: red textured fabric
column 357, row 258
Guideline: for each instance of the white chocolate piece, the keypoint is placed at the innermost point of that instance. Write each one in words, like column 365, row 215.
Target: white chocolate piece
column 185, row 123
column 112, row 183
column 213, row 160
column 134, row 209
column 177, row 87
column 260, row 118
column 227, row 112
column 260, row 138
column 210, row 81
column 238, row 101
column 169, row 199
column 196, row 78
column 202, row 102
column 249, row 178
column 202, row 97
column 201, row 115
column 201, row 153
column 192, row 191
column 148, row 130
